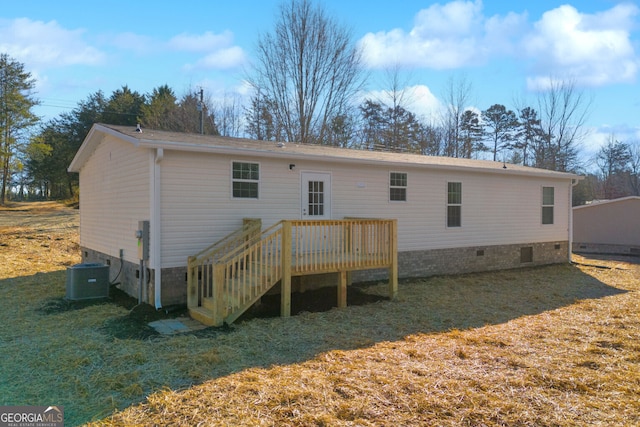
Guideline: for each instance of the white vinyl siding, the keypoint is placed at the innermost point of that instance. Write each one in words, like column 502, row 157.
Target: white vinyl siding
column 115, row 195
column 197, row 209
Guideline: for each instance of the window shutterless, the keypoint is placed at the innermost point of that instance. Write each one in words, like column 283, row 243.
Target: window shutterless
column 245, row 179
column 397, row 187
column 454, row 204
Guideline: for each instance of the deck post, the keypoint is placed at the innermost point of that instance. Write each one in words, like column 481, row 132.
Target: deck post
column 192, row 289
column 393, row 269
column 342, row 289
column 285, row 291
column 218, row 295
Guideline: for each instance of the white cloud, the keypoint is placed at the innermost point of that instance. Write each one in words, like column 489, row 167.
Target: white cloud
column 46, row 44
column 448, row 36
column 223, row 59
column 593, row 49
column 452, row 20
column 418, row 99
column 201, row 42
column 220, row 53
column 423, row 102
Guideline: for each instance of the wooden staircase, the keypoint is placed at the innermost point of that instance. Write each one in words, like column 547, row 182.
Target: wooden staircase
column 227, row 278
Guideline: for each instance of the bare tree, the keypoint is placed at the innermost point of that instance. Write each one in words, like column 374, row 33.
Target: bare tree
column 194, row 114
column 563, row 113
column 309, row 67
column 397, row 100
column 613, row 160
column 260, row 122
column 457, row 97
column 228, row 114
column 634, row 168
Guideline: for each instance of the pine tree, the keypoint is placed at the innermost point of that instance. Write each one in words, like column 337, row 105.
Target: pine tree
column 16, row 116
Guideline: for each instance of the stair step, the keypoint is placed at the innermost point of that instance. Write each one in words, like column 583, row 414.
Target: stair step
column 203, row 315
column 209, row 303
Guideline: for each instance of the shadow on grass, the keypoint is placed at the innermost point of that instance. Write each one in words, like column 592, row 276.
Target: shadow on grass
column 260, row 339
column 133, row 325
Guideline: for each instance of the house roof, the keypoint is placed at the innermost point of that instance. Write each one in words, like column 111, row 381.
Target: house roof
column 595, row 203
column 218, row 144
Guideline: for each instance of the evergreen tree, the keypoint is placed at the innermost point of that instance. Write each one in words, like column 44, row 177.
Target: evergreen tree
column 52, row 149
column 16, row 117
column 160, row 110
column 471, row 134
column 528, row 137
column 124, row 107
column 500, row 125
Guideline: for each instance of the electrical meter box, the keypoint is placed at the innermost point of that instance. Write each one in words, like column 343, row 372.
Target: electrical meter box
column 142, row 234
column 87, row 281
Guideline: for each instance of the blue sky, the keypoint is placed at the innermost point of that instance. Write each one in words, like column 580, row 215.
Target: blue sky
column 504, row 49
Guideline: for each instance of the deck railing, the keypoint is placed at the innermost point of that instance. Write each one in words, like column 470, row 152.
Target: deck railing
column 334, row 245
column 227, row 284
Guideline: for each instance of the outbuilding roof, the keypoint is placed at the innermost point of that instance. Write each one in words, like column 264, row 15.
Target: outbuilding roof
column 166, row 140
column 597, row 203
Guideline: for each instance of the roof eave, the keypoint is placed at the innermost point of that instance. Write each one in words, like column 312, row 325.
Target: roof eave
column 274, row 153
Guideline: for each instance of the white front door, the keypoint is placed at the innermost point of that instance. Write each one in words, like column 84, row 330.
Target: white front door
column 316, row 195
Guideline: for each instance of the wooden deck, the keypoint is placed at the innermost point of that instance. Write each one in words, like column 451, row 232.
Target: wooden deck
column 227, row 278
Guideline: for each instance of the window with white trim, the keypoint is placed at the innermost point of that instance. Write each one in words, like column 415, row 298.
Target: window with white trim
column 245, row 178
column 548, row 200
column 454, row 204
column 397, row 187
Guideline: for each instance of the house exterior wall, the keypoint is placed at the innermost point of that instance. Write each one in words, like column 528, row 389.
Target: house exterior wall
column 608, row 227
column 501, row 211
column 198, row 209
column 114, row 196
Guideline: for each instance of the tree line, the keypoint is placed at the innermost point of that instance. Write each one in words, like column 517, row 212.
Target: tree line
column 307, row 85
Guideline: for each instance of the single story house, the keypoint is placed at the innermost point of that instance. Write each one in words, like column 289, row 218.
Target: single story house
column 453, row 215
column 608, row 227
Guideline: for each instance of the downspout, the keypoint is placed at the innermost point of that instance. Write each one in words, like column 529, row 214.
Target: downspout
column 156, row 228
column 574, row 182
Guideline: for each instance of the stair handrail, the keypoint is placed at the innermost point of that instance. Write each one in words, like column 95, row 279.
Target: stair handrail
column 252, row 240
column 236, row 239
column 236, row 272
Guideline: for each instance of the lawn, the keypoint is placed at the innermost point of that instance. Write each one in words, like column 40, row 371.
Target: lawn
column 555, row 346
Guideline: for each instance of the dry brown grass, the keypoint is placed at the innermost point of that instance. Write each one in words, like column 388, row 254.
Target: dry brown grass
column 573, row 365
column 551, row 346
column 37, row 237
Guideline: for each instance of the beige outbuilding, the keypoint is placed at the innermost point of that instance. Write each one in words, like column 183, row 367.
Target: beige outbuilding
column 608, row 226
